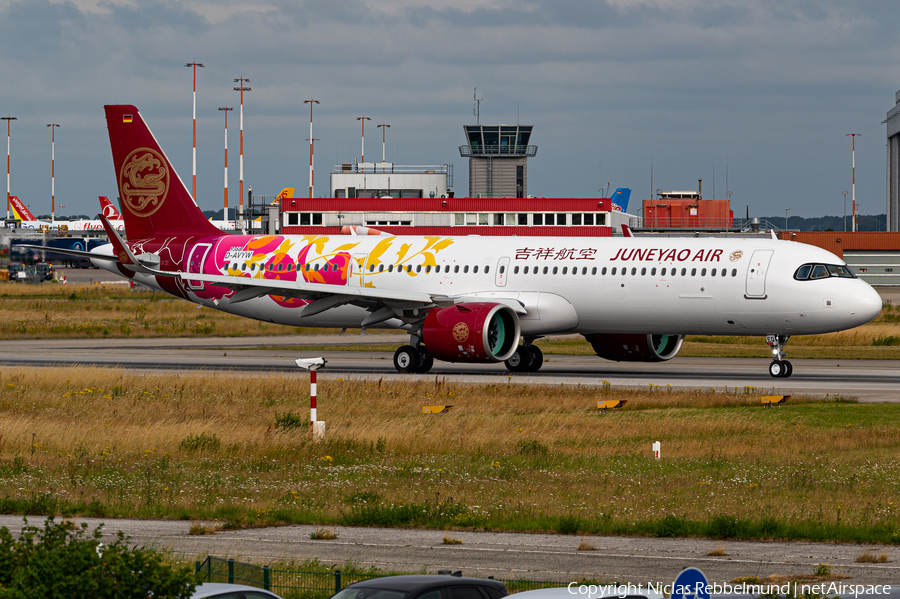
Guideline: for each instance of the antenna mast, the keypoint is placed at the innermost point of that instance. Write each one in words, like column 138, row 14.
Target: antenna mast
column 477, row 110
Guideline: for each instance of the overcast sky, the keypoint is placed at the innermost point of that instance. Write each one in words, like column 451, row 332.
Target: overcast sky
column 769, row 87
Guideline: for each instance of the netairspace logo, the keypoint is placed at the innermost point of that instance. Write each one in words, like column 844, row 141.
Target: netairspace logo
column 744, row 588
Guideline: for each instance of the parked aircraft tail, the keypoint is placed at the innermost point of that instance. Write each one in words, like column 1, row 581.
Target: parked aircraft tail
column 20, row 210
column 620, row 199
column 155, row 201
column 109, row 209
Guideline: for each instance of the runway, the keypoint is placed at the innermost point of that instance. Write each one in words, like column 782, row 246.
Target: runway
column 867, row 380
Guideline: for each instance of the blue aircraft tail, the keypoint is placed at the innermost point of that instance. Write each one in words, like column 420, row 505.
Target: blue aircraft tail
column 620, row 199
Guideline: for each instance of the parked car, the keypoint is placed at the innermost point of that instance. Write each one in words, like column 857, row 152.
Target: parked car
column 219, row 590
column 424, row 586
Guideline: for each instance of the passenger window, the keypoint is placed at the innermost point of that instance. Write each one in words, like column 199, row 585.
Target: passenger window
column 803, row 272
column 683, row 272
column 409, row 268
column 613, row 271
column 584, row 270
column 554, row 270
column 418, row 268
column 663, row 273
column 456, row 269
column 633, row 270
column 475, row 269
column 602, row 272
column 565, row 269
column 733, row 272
column 713, row 273
column 503, row 269
column 515, row 270
column 724, row 272
column 487, row 269
column 545, row 270
column 819, row 272
column 643, row 271
column 703, row 273
column 652, row 272
column 693, row 272
column 381, row 268
column 466, row 269
column 525, row 271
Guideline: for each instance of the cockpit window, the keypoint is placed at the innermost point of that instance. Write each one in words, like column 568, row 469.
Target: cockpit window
column 823, row 271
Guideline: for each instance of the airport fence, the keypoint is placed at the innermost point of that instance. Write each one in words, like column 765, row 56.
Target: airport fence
column 295, row 584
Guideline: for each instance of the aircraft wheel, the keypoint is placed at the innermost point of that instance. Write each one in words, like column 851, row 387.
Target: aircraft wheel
column 520, row 361
column 789, row 369
column 425, row 364
column 537, row 359
column 777, row 369
column 406, row 359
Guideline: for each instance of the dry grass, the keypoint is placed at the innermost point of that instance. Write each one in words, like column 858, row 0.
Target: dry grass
column 719, row 551
column 203, row 529
column 506, row 453
column 584, row 545
column 322, row 534
column 452, row 541
column 870, row 558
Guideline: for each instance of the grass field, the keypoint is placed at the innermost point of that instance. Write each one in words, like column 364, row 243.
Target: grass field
column 112, row 311
column 235, row 448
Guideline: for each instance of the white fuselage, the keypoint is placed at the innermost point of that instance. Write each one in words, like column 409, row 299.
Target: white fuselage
column 714, row 286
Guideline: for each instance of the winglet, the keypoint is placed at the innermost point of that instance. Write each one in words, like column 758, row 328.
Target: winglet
column 122, row 251
column 626, row 231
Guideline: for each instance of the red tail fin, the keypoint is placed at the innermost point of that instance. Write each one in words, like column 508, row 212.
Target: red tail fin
column 109, row 209
column 20, row 209
column 155, row 201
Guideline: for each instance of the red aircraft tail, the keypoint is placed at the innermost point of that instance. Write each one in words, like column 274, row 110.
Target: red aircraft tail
column 20, row 210
column 109, row 209
column 155, row 201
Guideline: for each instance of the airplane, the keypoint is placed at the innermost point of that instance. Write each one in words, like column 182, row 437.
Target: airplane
column 109, row 211
column 620, row 199
column 476, row 299
column 24, row 215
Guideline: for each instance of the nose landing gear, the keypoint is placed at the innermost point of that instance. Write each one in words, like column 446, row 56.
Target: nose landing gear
column 779, row 368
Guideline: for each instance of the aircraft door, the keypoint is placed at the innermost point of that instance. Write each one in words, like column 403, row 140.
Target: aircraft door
column 358, row 268
column 502, row 272
column 756, row 274
column 195, row 263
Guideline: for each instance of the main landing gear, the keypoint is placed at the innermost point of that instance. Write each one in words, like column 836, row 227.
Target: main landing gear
column 528, row 358
column 412, row 360
column 779, row 368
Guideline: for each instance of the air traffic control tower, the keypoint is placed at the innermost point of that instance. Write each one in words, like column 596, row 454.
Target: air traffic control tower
column 498, row 156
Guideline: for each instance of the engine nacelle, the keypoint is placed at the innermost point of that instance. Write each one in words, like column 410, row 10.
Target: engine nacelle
column 471, row 332
column 636, row 348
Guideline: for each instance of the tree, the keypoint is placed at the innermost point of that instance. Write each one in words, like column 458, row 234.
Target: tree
column 61, row 561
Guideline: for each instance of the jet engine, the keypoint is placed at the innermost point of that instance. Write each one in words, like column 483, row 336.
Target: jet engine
column 636, row 348
column 471, row 332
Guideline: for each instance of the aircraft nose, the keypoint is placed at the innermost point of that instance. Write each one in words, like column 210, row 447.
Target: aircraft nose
column 867, row 304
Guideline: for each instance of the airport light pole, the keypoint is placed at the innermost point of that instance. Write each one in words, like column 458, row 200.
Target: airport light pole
column 8, row 120
column 194, row 65
column 384, row 128
column 845, row 211
column 311, row 139
column 53, row 127
column 312, row 175
column 242, row 88
column 225, row 109
column 363, row 119
column 785, row 218
column 853, row 136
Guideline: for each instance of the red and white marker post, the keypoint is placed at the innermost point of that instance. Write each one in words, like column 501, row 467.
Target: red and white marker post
column 316, row 427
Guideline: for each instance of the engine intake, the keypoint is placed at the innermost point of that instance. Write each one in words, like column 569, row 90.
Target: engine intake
column 636, row 348
column 471, row 332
